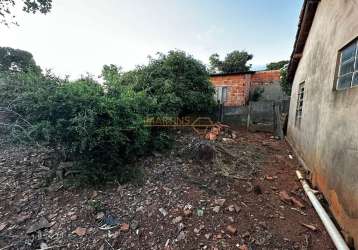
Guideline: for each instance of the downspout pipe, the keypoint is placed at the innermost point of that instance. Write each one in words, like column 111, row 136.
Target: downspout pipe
column 326, row 220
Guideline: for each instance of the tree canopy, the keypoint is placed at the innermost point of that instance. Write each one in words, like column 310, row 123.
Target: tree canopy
column 285, row 84
column 277, row 65
column 28, row 6
column 235, row 61
column 178, row 82
column 16, row 60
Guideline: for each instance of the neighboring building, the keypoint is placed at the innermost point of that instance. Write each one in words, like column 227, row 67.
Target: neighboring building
column 323, row 121
column 232, row 89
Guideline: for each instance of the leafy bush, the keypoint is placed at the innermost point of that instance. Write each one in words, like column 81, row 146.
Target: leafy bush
column 176, row 83
column 285, row 84
column 101, row 127
column 102, row 132
column 277, row 65
column 256, row 93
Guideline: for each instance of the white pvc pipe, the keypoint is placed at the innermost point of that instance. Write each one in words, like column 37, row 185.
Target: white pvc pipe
column 327, row 222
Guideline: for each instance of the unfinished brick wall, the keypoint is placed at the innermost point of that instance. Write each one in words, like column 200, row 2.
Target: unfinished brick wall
column 265, row 77
column 239, row 84
column 238, row 87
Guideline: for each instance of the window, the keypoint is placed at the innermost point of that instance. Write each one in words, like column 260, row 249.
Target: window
column 221, row 94
column 299, row 107
column 348, row 66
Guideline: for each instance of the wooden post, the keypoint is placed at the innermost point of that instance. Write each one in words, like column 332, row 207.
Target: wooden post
column 248, row 117
column 278, row 123
column 221, row 112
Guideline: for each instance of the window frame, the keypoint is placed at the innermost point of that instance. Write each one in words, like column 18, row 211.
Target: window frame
column 223, row 98
column 339, row 66
column 299, row 107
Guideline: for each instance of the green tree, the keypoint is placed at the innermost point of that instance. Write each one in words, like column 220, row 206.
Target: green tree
column 235, row 61
column 16, row 60
column 111, row 73
column 28, row 6
column 176, row 82
column 215, row 64
column 285, row 84
column 277, row 65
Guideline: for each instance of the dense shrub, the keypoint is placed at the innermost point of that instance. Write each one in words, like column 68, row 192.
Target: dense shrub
column 102, row 132
column 177, row 83
column 285, row 84
column 101, row 127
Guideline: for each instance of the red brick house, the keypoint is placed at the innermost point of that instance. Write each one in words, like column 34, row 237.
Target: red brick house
column 233, row 89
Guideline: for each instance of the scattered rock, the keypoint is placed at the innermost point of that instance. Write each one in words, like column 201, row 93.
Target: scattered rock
column 216, row 209
column 270, row 178
column 42, row 223
column 43, row 245
column 297, row 203
column 134, row 224
column 115, row 235
column 181, row 236
column 22, row 217
column 94, row 194
column 163, row 211
column 80, row 231
column 228, row 140
column 237, row 208
column 52, row 216
column 285, row 197
column 140, row 209
column 311, row 227
column 2, row 226
column 124, row 227
column 100, row 216
column 218, row 237
column 220, row 202
column 71, row 213
column 177, row 219
column 246, row 235
column 188, row 209
column 181, row 227
column 157, row 154
column 208, row 236
column 243, row 247
column 231, row 229
column 231, row 208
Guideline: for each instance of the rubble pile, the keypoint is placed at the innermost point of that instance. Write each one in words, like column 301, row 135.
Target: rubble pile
column 243, row 196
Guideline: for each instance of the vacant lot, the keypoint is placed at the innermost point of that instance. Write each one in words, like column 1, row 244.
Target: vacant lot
column 181, row 203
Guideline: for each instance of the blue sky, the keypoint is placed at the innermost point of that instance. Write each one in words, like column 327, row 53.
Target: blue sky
column 81, row 36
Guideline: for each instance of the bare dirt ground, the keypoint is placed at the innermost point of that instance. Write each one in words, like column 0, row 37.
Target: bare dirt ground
column 234, row 203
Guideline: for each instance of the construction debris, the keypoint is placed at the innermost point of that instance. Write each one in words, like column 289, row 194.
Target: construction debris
column 182, row 202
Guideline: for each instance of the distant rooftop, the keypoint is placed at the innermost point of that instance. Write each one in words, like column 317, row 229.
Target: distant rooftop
column 239, row 73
